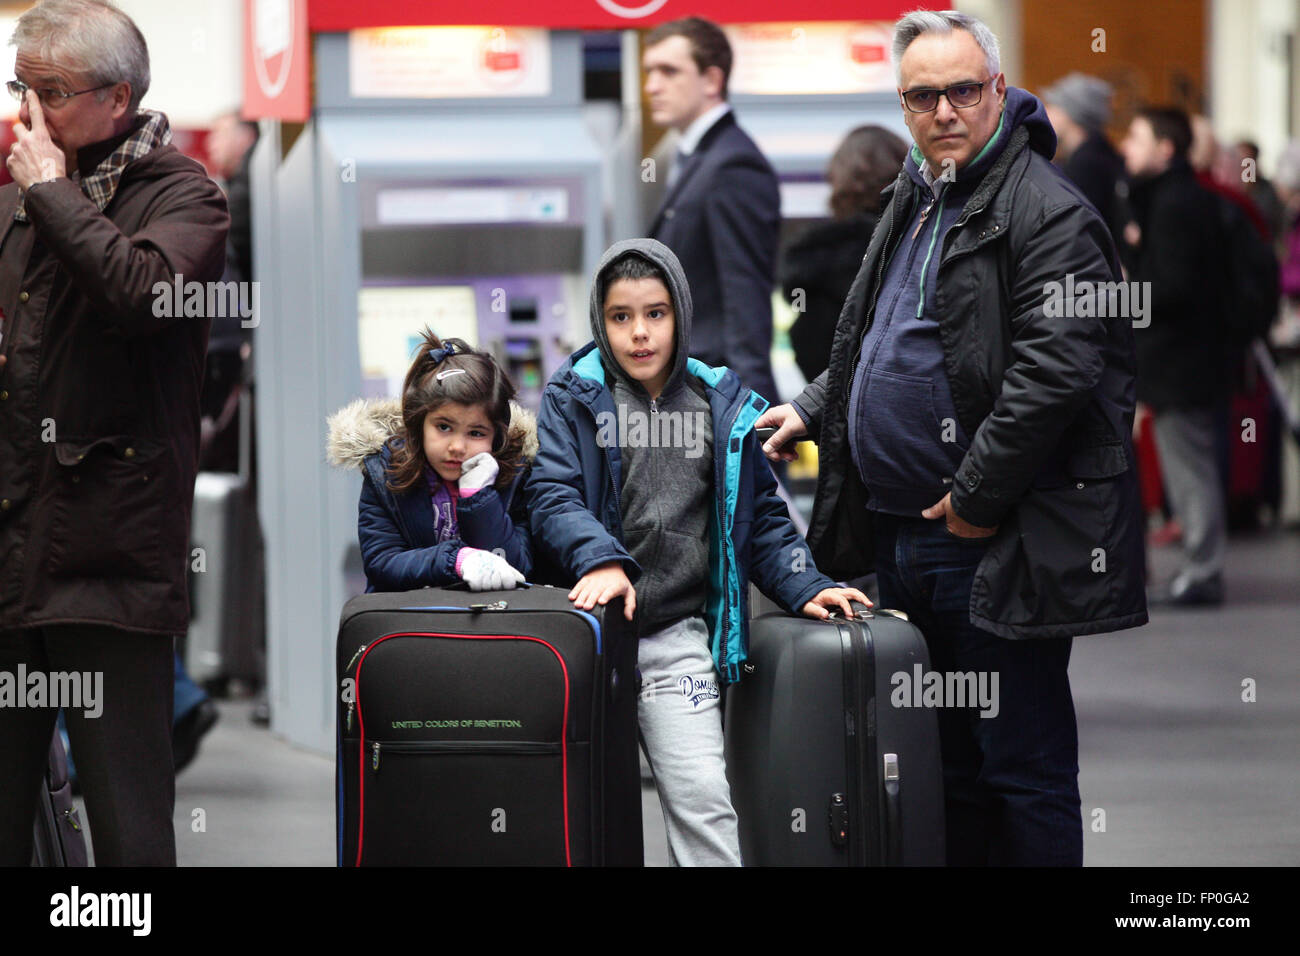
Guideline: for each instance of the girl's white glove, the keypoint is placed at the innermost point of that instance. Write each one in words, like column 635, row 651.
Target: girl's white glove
column 477, row 473
column 485, row 571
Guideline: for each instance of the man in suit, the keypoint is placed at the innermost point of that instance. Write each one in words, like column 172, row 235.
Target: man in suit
column 721, row 213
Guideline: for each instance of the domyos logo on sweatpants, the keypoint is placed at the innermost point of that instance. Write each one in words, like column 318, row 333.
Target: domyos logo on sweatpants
column 698, row 689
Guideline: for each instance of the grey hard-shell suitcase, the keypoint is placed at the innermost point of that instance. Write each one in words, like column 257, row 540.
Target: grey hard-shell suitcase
column 823, row 770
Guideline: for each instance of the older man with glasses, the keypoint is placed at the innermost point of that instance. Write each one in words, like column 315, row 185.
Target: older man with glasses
column 974, row 435
column 99, row 422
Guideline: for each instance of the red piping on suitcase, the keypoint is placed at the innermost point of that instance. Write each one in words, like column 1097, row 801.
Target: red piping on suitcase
column 564, row 727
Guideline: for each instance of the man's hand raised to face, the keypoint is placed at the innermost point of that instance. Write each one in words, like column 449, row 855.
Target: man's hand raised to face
column 34, row 158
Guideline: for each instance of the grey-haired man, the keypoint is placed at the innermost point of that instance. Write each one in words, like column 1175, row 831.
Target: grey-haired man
column 974, row 435
column 99, row 420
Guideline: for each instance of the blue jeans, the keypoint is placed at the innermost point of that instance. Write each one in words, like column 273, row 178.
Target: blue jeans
column 1011, row 781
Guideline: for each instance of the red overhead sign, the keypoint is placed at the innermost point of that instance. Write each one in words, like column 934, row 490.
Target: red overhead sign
column 277, row 73
column 326, row 16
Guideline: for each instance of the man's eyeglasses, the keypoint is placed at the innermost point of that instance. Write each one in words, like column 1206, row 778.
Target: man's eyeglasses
column 962, row 96
column 50, row 99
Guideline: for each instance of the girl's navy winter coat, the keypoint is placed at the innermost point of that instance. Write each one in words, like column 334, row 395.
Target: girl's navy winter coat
column 399, row 548
column 576, row 519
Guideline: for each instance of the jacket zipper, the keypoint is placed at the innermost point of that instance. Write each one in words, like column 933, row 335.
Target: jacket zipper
column 921, row 221
column 724, row 519
column 929, row 253
column 885, row 256
column 609, row 460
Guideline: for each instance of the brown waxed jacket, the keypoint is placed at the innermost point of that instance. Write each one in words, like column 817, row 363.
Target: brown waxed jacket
column 99, row 394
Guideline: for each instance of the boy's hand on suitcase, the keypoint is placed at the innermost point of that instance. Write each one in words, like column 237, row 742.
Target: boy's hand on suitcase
column 603, row 585
column 477, row 473
column 485, row 571
column 834, row 599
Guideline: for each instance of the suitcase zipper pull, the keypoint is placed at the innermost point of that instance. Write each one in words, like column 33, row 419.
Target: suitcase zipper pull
column 352, row 703
column 374, row 755
column 494, row 606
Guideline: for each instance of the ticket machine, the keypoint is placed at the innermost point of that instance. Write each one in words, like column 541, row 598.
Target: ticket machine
column 445, row 180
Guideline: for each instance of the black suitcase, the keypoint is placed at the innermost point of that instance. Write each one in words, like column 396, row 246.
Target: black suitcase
column 492, row 728
column 823, row 771
column 57, row 836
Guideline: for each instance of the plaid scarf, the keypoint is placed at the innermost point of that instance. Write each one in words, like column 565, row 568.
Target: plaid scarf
column 101, row 184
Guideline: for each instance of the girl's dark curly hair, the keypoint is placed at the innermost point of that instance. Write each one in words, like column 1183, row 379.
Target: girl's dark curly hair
column 482, row 383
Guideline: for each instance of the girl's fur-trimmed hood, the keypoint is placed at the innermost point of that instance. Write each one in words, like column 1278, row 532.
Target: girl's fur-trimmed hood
column 360, row 430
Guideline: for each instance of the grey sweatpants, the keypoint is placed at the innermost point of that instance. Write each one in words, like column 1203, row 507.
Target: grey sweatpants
column 1188, row 460
column 681, row 731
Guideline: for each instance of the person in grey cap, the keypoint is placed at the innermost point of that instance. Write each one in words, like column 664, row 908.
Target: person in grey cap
column 1078, row 106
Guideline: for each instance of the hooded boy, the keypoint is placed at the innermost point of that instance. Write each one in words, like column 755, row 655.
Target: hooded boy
column 648, row 483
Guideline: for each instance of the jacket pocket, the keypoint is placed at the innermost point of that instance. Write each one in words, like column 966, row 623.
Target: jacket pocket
column 1049, row 564
column 109, row 509
column 903, row 436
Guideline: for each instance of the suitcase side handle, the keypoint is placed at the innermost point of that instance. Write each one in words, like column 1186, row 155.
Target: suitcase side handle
column 893, row 811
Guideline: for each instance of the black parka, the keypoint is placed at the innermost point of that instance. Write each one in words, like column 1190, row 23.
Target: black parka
column 1048, row 399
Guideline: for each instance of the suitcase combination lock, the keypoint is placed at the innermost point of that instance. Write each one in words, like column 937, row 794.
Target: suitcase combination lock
column 839, row 819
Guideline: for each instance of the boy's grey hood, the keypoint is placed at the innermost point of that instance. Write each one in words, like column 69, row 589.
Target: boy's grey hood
column 661, row 256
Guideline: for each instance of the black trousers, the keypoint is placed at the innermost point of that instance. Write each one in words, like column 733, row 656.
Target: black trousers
column 123, row 753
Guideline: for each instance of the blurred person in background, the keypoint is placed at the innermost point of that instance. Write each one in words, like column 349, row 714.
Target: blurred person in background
column 230, row 150
column 1182, row 370
column 1244, row 157
column 1078, row 106
column 228, row 380
column 721, row 214
column 819, row 267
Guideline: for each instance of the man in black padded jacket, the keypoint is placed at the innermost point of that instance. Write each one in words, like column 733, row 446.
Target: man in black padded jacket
column 974, row 433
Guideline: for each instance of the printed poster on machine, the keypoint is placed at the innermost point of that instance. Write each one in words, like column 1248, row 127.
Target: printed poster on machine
column 449, row 62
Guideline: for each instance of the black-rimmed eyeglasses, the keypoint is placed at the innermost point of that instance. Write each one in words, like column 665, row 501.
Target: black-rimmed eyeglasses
column 960, row 96
column 49, row 98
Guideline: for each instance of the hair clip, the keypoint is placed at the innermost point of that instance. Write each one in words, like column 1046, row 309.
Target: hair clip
column 437, row 355
column 449, row 371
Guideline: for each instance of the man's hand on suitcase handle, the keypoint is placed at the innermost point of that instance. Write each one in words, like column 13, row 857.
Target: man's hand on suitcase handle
column 839, row 598
column 780, row 446
column 603, row 584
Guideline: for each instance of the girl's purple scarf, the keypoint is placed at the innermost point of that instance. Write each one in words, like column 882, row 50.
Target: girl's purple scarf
column 443, row 498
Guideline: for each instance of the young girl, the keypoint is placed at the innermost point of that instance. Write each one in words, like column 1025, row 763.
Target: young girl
column 441, row 474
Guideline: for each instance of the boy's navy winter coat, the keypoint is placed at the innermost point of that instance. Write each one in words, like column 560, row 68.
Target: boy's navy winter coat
column 573, row 490
column 399, row 549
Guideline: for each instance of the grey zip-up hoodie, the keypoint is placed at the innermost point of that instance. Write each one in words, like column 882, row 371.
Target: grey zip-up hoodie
column 666, row 447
